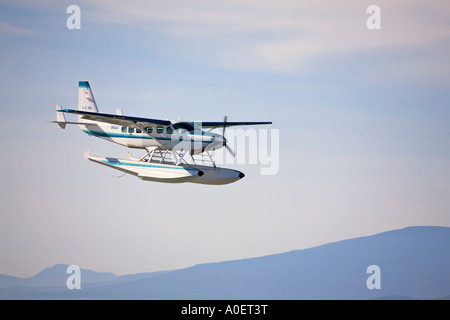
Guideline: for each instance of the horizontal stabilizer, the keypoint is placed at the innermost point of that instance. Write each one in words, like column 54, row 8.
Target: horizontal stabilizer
column 60, row 118
column 62, row 124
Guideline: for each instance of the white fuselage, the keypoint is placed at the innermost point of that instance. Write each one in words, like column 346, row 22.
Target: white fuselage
column 160, row 136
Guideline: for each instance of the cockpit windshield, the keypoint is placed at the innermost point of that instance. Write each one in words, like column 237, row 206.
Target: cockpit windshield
column 184, row 126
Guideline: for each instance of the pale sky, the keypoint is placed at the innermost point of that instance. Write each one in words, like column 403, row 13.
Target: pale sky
column 363, row 117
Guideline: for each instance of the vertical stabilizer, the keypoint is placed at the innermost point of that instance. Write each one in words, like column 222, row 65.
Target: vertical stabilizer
column 86, row 101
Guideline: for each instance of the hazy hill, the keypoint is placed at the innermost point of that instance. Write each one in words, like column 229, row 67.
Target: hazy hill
column 55, row 276
column 414, row 263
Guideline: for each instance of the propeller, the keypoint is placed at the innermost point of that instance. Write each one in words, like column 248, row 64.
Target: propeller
column 223, row 134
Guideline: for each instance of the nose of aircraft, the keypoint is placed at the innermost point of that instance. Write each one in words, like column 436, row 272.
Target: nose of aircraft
column 220, row 140
column 223, row 140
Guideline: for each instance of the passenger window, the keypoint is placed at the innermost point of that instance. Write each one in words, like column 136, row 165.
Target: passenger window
column 130, row 130
column 159, row 129
column 124, row 129
column 138, row 130
column 169, row 130
column 149, row 129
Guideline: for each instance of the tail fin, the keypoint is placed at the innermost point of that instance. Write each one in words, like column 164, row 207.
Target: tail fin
column 86, row 101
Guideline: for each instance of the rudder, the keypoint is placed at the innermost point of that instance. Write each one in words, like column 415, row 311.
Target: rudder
column 86, row 100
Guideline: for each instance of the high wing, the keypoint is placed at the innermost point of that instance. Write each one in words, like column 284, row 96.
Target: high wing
column 230, row 124
column 137, row 122
column 120, row 120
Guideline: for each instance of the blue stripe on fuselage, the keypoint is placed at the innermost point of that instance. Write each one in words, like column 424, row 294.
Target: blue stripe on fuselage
column 105, row 134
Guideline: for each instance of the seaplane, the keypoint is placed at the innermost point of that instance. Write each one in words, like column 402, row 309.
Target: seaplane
column 170, row 146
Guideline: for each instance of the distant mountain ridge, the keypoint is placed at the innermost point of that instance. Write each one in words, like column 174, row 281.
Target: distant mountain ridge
column 414, row 264
column 55, row 276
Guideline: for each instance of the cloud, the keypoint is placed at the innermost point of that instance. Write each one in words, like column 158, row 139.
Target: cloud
column 283, row 36
column 8, row 30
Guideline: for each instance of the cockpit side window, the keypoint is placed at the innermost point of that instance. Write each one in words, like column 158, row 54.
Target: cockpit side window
column 183, row 126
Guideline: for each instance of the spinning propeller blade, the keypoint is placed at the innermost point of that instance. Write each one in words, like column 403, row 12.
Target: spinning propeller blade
column 223, row 134
column 224, row 124
column 230, row 150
